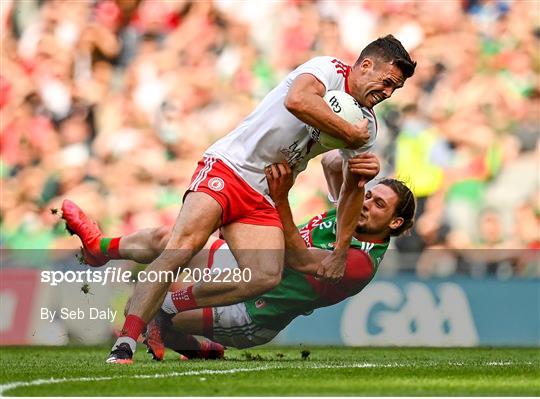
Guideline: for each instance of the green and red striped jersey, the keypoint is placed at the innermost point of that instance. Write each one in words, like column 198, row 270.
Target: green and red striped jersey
column 299, row 294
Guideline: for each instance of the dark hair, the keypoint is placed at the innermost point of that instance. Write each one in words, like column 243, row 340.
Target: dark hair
column 406, row 206
column 389, row 49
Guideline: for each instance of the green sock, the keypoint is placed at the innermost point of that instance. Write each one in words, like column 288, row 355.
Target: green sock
column 110, row 247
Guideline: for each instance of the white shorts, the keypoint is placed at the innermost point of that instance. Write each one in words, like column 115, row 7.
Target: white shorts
column 232, row 325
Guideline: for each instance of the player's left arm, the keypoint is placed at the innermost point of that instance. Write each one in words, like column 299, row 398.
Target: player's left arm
column 350, row 203
column 332, row 164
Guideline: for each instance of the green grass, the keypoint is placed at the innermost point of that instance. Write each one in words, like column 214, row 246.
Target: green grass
column 277, row 371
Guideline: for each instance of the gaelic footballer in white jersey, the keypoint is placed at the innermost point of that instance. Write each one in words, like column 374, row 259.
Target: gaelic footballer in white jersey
column 272, row 134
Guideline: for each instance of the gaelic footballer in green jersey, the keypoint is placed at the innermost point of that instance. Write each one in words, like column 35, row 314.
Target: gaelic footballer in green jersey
column 388, row 209
column 257, row 321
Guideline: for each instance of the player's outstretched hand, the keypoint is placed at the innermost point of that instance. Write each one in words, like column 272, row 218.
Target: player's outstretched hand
column 366, row 166
column 280, row 180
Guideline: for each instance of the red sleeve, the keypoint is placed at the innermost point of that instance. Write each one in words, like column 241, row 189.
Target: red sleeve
column 358, row 273
column 359, row 266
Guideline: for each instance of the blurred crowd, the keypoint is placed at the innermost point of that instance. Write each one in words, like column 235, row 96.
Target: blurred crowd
column 111, row 102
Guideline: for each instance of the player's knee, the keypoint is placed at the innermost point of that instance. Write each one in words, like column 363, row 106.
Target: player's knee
column 178, row 250
column 187, row 243
column 261, row 283
column 271, row 282
column 161, row 238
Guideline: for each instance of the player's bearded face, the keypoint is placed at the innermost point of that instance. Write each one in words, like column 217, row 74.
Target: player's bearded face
column 372, row 225
column 378, row 210
column 376, row 82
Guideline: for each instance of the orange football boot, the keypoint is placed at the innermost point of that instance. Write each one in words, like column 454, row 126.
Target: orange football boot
column 87, row 230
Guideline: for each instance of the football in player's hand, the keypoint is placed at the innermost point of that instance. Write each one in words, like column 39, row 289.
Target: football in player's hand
column 345, row 106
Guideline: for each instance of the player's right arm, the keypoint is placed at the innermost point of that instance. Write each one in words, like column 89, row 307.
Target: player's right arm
column 297, row 254
column 305, row 101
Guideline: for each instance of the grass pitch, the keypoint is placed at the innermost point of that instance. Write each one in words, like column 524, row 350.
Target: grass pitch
column 299, row 371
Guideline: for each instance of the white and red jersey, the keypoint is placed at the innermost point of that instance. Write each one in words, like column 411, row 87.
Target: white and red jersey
column 272, row 134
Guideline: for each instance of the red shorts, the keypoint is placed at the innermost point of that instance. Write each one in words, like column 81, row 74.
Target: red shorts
column 239, row 201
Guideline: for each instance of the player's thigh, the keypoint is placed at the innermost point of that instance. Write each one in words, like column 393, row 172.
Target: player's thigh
column 261, row 248
column 199, row 217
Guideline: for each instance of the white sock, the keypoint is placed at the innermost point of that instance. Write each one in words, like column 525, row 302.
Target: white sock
column 130, row 341
column 168, row 304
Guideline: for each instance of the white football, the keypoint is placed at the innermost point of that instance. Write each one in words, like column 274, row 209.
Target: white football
column 343, row 105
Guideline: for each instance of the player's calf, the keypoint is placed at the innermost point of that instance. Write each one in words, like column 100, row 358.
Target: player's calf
column 145, row 245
